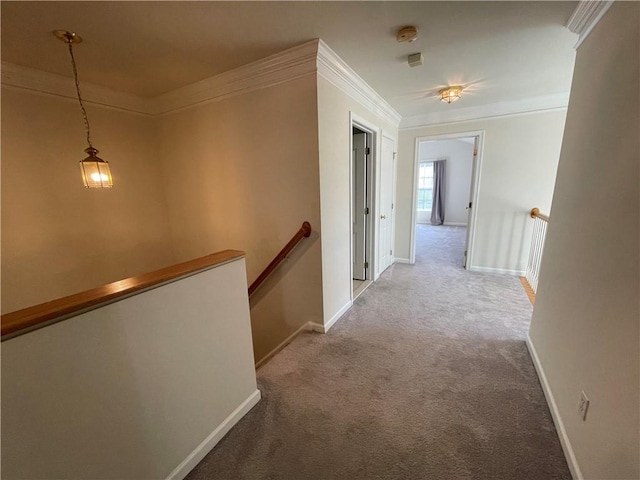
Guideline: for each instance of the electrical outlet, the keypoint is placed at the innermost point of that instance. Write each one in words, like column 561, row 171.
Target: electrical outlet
column 583, row 406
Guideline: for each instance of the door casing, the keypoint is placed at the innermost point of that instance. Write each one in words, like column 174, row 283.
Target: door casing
column 386, row 250
column 360, row 161
column 373, row 225
column 475, row 187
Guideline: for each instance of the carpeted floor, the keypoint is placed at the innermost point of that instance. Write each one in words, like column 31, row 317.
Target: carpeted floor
column 426, row 377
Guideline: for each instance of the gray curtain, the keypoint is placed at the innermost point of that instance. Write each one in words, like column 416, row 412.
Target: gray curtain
column 439, row 186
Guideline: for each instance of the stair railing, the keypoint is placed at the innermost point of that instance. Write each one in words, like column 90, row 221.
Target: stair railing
column 38, row 316
column 304, row 232
column 540, row 224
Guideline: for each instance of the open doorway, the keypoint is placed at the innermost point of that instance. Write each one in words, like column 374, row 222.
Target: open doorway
column 361, row 191
column 446, row 172
column 372, row 171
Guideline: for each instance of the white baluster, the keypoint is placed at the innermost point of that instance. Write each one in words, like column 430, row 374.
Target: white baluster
column 535, row 253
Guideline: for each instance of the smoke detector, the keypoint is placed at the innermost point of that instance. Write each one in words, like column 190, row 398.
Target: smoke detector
column 407, row 34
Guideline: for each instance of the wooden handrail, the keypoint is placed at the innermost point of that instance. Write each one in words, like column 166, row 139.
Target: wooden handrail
column 30, row 318
column 304, row 232
column 535, row 213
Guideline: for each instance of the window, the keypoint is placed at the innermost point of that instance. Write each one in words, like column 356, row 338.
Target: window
column 425, row 186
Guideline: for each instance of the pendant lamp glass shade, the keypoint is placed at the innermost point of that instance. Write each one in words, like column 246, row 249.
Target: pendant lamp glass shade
column 95, row 171
column 450, row 94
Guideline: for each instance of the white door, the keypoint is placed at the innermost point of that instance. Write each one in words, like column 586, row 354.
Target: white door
column 359, row 175
column 470, row 206
column 385, row 254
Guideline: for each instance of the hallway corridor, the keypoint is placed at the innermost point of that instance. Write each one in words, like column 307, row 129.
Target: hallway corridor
column 427, row 376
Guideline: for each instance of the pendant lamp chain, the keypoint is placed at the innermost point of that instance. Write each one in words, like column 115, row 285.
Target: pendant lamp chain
column 75, row 77
column 95, row 171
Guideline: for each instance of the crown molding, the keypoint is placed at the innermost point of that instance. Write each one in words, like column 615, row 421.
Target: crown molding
column 336, row 71
column 500, row 109
column 307, row 59
column 586, row 16
column 61, row 86
column 282, row 67
column 285, row 66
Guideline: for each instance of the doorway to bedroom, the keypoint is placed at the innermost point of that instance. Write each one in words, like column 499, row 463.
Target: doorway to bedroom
column 444, row 195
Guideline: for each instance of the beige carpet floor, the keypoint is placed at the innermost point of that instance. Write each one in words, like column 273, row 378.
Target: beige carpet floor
column 427, row 376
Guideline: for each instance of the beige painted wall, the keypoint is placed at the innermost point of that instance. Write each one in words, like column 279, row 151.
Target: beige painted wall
column 59, row 238
column 98, row 396
column 334, row 133
column 585, row 326
column 518, row 172
column 243, row 173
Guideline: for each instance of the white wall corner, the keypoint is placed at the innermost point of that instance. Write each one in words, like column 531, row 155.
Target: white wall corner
column 542, row 103
column 499, row 271
column 335, row 70
column 316, row 327
column 401, row 260
column 569, row 454
column 586, row 16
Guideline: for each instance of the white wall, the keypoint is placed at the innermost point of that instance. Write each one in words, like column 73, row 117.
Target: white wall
column 459, row 156
column 334, row 131
column 243, row 173
column 585, row 326
column 519, row 161
column 58, row 237
column 131, row 389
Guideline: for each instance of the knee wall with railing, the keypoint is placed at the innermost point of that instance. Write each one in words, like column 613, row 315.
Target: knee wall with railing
column 540, row 224
column 136, row 379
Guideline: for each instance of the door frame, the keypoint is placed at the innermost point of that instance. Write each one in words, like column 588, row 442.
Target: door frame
column 475, row 188
column 360, row 179
column 372, row 226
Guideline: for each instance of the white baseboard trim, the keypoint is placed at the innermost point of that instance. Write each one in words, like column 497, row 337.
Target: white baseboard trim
column 337, row 316
column 446, row 224
column 188, row 464
column 401, row 260
column 316, row 327
column 360, row 290
column 576, row 473
column 501, row 271
column 306, row 327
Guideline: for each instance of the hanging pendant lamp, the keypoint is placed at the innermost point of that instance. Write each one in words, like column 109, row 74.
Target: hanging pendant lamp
column 95, row 171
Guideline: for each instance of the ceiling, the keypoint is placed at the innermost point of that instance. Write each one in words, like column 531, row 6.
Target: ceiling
column 497, row 50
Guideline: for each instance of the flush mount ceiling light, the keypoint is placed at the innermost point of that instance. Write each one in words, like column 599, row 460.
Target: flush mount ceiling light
column 95, row 171
column 450, row 94
column 407, row 34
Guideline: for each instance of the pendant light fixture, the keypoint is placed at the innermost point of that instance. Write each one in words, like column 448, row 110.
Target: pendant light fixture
column 450, row 94
column 95, row 171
